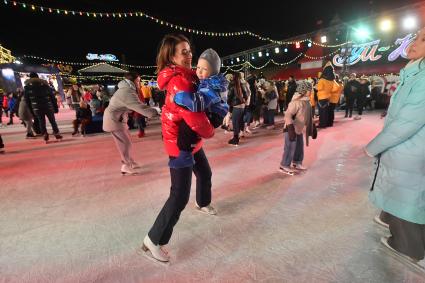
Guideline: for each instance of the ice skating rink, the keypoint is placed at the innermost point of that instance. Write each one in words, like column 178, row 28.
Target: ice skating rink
column 67, row 214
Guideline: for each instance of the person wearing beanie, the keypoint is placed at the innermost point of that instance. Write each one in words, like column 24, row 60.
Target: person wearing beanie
column 206, row 99
column 298, row 116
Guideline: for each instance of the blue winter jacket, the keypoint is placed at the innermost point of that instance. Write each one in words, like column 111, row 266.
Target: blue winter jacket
column 400, row 181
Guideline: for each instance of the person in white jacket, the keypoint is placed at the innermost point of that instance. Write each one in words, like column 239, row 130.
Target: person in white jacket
column 125, row 100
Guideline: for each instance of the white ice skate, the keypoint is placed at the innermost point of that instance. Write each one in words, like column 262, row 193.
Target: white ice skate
column 154, row 251
column 206, row 209
column 287, row 170
column 128, row 170
column 378, row 221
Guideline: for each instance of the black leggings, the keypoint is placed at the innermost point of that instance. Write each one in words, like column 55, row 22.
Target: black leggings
column 181, row 181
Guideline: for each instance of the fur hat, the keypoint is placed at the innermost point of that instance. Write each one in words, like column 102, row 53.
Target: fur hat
column 229, row 77
column 211, row 56
column 303, row 87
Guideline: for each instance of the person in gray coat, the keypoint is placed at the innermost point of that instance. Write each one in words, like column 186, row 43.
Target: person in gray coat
column 26, row 116
column 125, row 100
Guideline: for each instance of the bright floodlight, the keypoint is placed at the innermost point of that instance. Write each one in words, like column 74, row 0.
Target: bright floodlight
column 286, row 49
column 309, row 44
column 237, row 59
column 409, row 23
column 362, row 33
column 323, row 39
column 276, row 50
column 260, row 54
column 386, row 25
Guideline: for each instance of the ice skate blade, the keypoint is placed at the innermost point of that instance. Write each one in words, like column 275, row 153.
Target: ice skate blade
column 129, row 174
column 286, row 172
column 401, row 257
column 144, row 251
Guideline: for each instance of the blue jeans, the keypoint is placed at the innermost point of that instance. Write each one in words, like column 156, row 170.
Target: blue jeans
column 293, row 151
column 237, row 121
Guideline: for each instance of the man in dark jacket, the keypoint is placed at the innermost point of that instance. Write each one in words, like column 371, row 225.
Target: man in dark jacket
column 292, row 86
column 351, row 89
column 42, row 102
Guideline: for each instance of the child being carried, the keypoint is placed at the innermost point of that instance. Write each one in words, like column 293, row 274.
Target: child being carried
column 206, row 99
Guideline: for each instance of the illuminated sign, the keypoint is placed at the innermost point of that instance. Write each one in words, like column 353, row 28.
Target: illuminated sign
column 370, row 51
column 102, row 57
column 8, row 74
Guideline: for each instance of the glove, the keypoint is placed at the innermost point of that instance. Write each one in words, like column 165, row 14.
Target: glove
column 215, row 119
column 291, row 132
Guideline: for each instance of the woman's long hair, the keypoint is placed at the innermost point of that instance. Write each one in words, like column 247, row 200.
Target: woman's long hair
column 238, row 86
column 167, row 50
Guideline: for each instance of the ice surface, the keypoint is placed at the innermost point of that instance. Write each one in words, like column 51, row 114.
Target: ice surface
column 67, row 214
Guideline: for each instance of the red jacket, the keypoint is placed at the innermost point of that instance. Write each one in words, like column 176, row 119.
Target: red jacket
column 174, row 79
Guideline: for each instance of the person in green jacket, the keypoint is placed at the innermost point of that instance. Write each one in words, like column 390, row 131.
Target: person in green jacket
column 399, row 185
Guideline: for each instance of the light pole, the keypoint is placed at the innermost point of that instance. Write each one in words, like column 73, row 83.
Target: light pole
column 346, row 54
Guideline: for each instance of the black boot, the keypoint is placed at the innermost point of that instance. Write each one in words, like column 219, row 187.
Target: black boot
column 46, row 137
column 234, row 141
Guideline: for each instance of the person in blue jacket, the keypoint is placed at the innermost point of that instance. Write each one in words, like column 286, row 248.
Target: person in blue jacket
column 399, row 185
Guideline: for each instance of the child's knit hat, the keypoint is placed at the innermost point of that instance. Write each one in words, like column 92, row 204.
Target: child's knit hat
column 213, row 59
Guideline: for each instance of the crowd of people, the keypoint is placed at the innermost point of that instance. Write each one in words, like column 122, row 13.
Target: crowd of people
column 195, row 103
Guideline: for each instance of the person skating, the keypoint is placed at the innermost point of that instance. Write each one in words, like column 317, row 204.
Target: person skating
column 42, row 103
column 236, row 99
column 324, row 93
column 115, row 117
column 399, row 188
column 26, row 116
column 298, row 117
column 174, row 63
column 351, row 89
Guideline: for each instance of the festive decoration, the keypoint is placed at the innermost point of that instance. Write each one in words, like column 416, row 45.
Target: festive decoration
column 5, row 55
column 369, row 51
column 249, row 64
column 85, row 63
column 122, row 15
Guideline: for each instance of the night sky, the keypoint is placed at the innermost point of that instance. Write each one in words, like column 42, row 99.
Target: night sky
column 72, row 37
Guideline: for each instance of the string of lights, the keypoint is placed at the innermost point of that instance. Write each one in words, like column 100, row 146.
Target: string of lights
column 98, row 64
column 123, row 15
column 84, row 63
column 57, row 61
column 245, row 64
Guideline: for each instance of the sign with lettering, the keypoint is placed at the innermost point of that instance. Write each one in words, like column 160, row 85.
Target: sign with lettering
column 371, row 51
column 102, row 57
